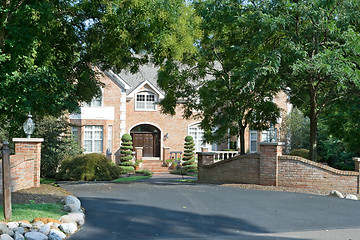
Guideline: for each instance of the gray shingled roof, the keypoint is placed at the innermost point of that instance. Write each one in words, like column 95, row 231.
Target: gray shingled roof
column 146, row 72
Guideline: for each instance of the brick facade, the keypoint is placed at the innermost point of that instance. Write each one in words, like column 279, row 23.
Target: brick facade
column 25, row 164
column 271, row 168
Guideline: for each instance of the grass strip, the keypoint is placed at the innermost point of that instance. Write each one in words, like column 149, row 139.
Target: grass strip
column 130, row 179
column 183, row 180
column 33, row 210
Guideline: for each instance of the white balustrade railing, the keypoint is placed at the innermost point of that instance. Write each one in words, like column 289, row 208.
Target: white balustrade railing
column 222, row 155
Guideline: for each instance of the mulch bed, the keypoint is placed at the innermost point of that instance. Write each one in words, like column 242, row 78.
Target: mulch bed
column 44, row 194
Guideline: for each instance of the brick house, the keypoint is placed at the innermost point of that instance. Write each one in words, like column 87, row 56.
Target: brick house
column 128, row 105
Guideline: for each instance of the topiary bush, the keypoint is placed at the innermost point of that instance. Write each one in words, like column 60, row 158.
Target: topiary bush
column 126, row 153
column 88, row 167
column 304, row 153
column 189, row 155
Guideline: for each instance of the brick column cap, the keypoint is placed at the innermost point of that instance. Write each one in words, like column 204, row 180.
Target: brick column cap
column 356, row 159
column 205, row 153
column 139, row 148
column 29, row 140
column 272, row 143
column 166, row 147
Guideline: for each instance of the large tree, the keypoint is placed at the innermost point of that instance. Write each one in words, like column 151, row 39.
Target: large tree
column 48, row 48
column 321, row 54
column 231, row 80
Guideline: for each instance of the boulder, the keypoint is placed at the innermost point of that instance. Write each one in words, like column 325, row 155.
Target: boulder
column 35, row 236
column 351, row 197
column 68, row 228
column 11, row 233
column 54, row 236
column 79, row 217
column 12, row 225
column 18, row 236
column 74, row 201
column 71, row 208
column 25, row 225
column 59, row 233
column 336, row 193
column 67, row 219
column 45, row 229
column 4, row 229
column 19, row 230
column 37, row 225
column 5, row 237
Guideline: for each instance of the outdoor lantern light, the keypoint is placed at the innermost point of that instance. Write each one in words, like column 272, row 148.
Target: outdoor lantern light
column 29, row 126
column 272, row 133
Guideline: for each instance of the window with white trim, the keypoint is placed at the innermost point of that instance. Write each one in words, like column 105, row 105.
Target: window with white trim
column 253, row 141
column 198, row 135
column 145, row 101
column 109, row 139
column 75, row 132
column 266, row 135
column 93, row 139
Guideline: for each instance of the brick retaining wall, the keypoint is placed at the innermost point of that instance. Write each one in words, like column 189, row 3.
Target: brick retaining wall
column 271, row 168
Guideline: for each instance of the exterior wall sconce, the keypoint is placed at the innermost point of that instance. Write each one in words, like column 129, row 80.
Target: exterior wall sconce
column 29, row 126
column 166, row 136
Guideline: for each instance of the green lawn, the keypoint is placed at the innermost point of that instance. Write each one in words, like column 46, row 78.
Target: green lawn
column 32, row 210
column 50, row 181
column 184, row 180
column 130, row 179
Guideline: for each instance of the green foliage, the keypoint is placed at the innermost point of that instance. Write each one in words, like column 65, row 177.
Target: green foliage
column 295, row 128
column 145, row 172
column 58, row 143
column 126, row 154
column 233, row 76
column 131, row 179
column 87, row 167
column 304, row 153
column 189, row 155
column 126, row 169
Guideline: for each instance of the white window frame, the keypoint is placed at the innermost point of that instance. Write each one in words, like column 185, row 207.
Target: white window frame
column 109, row 138
column 93, row 129
column 253, row 140
column 211, row 147
column 94, row 101
column 146, row 101
column 265, row 135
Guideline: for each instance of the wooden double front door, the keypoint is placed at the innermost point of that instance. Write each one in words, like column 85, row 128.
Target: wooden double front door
column 149, row 141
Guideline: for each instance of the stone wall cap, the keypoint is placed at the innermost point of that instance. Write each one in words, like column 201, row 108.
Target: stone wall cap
column 138, row 147
column 32, row 140
column 166, row 147
column 205, row 153
column 356, row 159
column 272, row 143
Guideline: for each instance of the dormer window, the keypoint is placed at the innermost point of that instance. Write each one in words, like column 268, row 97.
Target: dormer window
column 145, row 101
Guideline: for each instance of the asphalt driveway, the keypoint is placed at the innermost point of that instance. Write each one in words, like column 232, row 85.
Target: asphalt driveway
column 162, row 209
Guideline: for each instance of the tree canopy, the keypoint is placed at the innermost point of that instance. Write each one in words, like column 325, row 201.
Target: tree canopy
column 232, row 78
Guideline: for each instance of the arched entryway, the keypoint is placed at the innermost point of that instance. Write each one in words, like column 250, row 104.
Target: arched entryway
column 148, row 137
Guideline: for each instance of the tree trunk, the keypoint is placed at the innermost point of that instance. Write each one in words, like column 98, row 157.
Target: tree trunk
column 313, row 126
column 242, row 140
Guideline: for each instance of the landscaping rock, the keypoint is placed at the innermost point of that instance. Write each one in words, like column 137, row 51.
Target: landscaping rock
column 45, row 229
column 35, row 236
column 71, row 200
column 68, row 228
column 4, row 229
column 67, row 219
column 351, row 197
column 54, row 236
column 37, row 225
column 71, row 208
column 18, row 236
column 79, row 217
column 19, row 230
column 336, row 193
column 12, row 225
column 5, row 237
column 25, row 225
column 11, row 233
column 59, row 233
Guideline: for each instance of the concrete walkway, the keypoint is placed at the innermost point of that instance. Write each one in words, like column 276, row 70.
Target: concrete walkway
column 164, row 208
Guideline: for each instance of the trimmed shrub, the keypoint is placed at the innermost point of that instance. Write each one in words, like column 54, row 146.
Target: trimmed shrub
column 88, row 167
column 126, row 154
column 304, row 153
column 189, row 155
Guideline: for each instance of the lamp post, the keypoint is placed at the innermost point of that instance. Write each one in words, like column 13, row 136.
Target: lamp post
column 272, row 133
column 29, row 126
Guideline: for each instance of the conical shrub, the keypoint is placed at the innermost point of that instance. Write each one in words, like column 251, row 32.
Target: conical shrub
column 126, row 152
column 189, row 155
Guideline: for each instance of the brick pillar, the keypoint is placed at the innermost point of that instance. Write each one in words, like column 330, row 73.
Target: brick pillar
column 138, row 152
column 269, row 152
column 166, row 155
column 357, row 169
column 204, row 149
column 204, row 158
column 30, row 147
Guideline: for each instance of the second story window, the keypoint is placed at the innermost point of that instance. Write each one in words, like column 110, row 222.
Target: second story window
column 95, row 102
column 145, row 101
